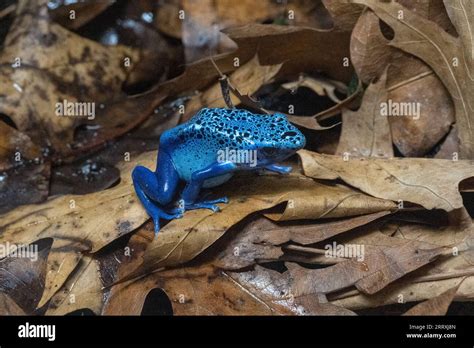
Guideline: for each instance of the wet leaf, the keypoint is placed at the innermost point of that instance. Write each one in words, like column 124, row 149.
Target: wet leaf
column 8, row 306
column 63, row 66
column 77, row 224
column 84, row 11
column 22, row 276
column 24, row 176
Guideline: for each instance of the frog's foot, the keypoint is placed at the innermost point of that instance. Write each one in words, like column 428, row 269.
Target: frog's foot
column 279, row 169
column 211, row 204
column 157, row 213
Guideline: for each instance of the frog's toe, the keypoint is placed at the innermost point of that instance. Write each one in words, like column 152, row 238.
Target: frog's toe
column 210, row 206
column 158, row 214
column 177, row 211
column 204, row 205
column 218, row 200
column 157, row 226
column 178, row 214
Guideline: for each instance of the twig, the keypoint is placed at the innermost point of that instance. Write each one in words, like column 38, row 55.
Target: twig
column 224, row 82
column 7, row 11
column 226, row 85
column 306, row 249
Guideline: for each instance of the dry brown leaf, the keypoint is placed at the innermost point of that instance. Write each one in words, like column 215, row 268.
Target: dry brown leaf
column 200, row 290
column 406, row 291
column 266, row 40
column 203, row 20
column 273, row 288
column 304, row 53
column 349, row 102
column 449, row 149
column 378, row 267
column 456, row 263
column 409, row 81
column 261, row 239
column 416, row 135
column 430, row 183
column 166, row 18
column 200, row 29
column 366, row 132
column 205, row 290
column 370, row 53
column 86, row 223
column 450, row 57
column 321, row 86
column 85, row 286
column 344, row 13
column 247, row 79
column 83, row 289
column 183, row 239
column 436, row 306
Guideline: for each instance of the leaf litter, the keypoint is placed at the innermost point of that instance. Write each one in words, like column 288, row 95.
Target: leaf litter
column 348, row 230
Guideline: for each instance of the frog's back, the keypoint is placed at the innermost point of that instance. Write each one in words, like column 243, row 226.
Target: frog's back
column 195, row 144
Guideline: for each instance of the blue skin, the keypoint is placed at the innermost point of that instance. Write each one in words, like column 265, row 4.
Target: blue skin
column 189, row 153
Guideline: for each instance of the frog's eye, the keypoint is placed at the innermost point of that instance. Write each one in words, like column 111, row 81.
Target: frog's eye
column 288, row 134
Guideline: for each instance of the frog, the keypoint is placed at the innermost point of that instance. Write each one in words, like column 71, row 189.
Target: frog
column 205, row 152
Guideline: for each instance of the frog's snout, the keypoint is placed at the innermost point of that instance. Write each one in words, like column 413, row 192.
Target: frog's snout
column 293, row 139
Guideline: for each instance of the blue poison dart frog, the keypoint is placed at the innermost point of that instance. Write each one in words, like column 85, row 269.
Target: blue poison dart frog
column 205, row 152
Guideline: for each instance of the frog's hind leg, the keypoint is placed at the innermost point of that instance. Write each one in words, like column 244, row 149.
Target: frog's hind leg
column 157, row 189
column 192, row 189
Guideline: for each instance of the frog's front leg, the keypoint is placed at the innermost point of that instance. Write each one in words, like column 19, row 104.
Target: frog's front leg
column 279, row 169
column 157, row 189
column 192, row 189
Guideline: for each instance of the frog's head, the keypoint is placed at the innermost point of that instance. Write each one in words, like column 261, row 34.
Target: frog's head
column 279, row 139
